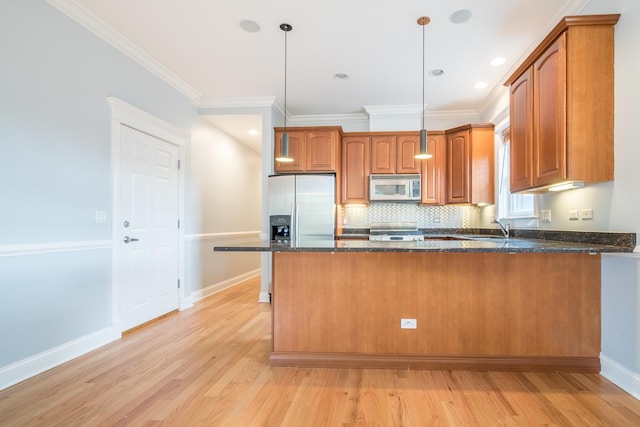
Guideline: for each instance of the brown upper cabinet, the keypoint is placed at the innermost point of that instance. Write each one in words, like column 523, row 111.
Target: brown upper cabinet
column 313, row 149
column 469, row 167
column 355, row 168
column 394, row 152
column 561, row 106
column 433, row 170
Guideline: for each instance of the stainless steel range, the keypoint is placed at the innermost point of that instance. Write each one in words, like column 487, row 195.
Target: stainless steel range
column 395, row 232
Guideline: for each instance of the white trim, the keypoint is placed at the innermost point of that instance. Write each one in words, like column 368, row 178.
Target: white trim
column 206, row 236
column 264, row 297
column 50, row 248
column 225, row 284
column 34, row 365
column 133, row 117
column 107, row 33
column 238, row 102
column 393, row 109
column 624, row 378
column 328, row 118
column 124, row 114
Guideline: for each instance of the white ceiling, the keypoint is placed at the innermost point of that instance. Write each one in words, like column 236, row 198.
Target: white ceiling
column 377, row 43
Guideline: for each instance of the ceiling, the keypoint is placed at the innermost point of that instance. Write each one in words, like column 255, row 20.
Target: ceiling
column 376, row 43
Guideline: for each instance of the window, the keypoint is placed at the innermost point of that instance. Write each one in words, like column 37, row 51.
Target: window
column 520, row 209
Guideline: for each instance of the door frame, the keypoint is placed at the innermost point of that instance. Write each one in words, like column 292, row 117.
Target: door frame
column 124, row 114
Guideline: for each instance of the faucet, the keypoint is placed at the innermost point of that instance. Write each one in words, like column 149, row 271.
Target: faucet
column 504, row 227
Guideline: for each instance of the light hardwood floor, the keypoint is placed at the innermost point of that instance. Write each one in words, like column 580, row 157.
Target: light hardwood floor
column 208, row 366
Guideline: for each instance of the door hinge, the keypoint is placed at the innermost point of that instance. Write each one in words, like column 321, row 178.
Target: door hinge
column 178, row 283
column 178, row 223
column 178, row 164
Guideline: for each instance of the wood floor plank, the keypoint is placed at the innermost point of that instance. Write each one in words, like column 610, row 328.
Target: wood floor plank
column 209, row 366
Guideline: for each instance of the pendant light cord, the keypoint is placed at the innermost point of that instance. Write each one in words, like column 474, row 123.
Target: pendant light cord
column 423, row 106
column 285, row 80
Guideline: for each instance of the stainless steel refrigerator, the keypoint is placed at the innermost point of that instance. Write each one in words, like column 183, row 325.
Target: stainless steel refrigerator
column 302, row 207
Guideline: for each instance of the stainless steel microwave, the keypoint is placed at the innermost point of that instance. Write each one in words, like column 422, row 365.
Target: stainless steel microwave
column 394, row 188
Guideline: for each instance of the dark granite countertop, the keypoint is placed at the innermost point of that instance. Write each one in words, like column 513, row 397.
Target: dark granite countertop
column 454, row 242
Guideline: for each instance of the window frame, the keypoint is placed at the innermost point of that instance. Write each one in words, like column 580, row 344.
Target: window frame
column 520, row 210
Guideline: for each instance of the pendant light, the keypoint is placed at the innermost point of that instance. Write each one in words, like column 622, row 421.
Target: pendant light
column 423, row 154
column 284, row 140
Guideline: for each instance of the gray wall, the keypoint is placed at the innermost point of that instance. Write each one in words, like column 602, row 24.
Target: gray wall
column 55, row 172
column 224, row 194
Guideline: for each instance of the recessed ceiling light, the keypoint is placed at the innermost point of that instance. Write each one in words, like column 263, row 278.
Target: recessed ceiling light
column 249, row 26
column 253, row 132
column 436, row 73
column 341, row 76
column 461, row 16
column 481, row 85
column 497, row 61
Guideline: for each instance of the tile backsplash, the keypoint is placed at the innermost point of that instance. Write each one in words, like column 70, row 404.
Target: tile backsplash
column 358, row 216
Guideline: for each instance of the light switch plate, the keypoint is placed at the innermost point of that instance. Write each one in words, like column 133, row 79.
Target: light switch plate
column 573, row 214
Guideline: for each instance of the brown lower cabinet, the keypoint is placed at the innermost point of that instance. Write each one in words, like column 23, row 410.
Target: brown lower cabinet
column 524, row 311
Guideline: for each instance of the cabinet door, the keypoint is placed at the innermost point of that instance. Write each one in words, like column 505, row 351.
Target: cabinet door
column 407, row 146
column 296, row 151
column 549, row 115
column 321, row 151
column 521, row 127
column 383, row 154
column 355, row 169
column 433, row 171
column 458, row 162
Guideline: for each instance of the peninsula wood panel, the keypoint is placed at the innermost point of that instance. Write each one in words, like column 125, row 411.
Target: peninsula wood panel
column 466, row 304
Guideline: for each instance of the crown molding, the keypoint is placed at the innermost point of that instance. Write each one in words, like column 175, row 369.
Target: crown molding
column 451, row 114
column 393, row 109
column 571, row 7
column 115, row 39
column 329, row 118
column 238, row 102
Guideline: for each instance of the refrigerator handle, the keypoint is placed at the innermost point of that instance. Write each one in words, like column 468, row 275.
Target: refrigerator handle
column 294, row 225
column 297, row 226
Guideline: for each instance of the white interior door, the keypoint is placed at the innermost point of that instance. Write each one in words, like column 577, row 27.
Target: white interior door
column 149, row 239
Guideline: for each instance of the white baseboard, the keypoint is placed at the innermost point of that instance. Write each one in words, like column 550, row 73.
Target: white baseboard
column 34, row 365
column 185, row 302
column 621, row 376
column 264, row 297
column 217, row 287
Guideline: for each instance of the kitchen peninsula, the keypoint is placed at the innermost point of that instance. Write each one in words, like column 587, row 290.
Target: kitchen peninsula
column 471, row 302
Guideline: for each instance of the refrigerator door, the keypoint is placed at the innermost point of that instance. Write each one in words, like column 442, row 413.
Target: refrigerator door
column 282, row 195
column 315, row 207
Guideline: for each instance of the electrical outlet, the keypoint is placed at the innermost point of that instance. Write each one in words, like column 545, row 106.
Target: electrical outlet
column 408, row 323
column 545, row 215
column 436, row 219
column 586, row 213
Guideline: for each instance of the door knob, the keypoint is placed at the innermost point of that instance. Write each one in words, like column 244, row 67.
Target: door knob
column 128, row 239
